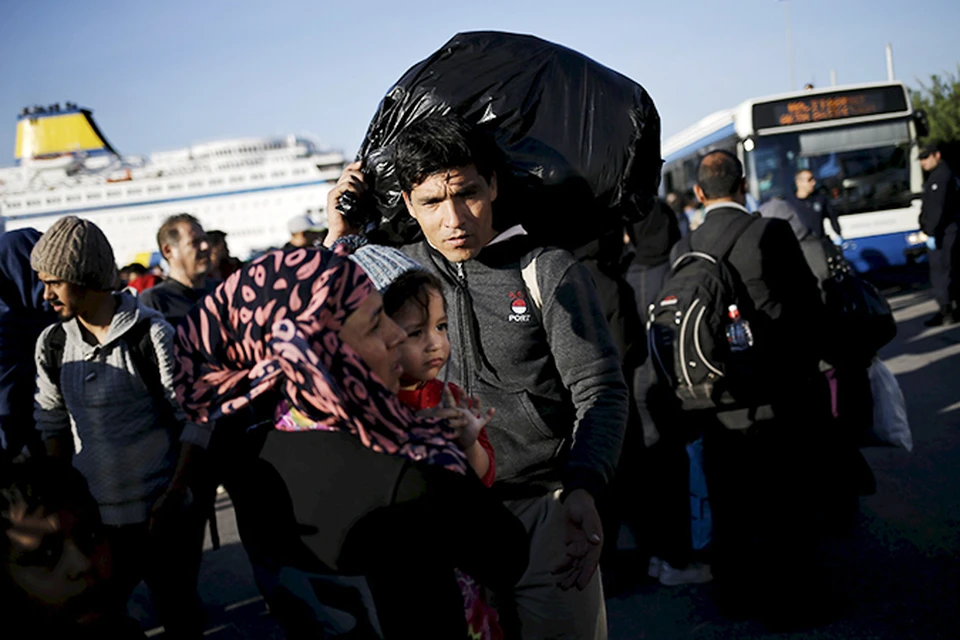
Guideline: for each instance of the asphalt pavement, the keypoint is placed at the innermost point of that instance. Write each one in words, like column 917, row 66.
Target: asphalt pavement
column 900, row 566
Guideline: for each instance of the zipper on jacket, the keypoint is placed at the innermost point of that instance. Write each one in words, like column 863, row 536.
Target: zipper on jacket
column 461, row 320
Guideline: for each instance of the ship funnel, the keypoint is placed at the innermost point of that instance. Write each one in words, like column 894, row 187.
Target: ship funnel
column 44, row 133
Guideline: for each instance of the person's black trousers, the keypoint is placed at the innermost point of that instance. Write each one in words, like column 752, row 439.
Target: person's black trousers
column 943, row 269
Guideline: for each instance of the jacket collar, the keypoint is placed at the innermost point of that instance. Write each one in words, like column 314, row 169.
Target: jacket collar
column 726, row 205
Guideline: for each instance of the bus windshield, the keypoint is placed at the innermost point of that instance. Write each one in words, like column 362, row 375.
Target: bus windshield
column 858, row 168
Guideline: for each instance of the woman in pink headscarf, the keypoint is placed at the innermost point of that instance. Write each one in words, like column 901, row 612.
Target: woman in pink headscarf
column 358, row 500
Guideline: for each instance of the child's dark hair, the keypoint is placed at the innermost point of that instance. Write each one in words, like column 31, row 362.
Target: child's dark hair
column 52, row 484
column 413, row 285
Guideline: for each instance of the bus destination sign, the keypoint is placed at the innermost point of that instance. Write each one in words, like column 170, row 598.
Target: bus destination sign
column 829, row 106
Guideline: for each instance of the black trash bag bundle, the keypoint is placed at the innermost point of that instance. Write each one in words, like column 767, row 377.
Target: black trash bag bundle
column 580, row 142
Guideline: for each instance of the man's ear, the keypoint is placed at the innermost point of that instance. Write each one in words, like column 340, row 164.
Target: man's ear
column 743, row 186
column 697, row 191
column 493, row 186
column 166, row 251
column 406, row 201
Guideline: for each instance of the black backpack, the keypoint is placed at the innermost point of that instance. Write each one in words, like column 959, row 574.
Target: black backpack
column 686, row 328
column 142, row 353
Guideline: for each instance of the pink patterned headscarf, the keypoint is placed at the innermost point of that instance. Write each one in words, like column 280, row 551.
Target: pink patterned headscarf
column 272, row 328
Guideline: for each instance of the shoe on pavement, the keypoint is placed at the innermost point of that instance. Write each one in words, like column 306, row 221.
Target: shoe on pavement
column 655, row 566
column 694, row 573
column 941, row 318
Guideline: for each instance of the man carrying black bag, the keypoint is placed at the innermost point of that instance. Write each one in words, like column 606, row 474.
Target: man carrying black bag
column 767, row 468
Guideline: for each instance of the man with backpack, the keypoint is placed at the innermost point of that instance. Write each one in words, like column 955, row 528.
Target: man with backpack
column 529, row 338
column 736, row 336
column 105, row 372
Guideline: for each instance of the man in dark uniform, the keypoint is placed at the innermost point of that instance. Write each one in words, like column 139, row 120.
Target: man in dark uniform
column 813, row 208
column 939, row 220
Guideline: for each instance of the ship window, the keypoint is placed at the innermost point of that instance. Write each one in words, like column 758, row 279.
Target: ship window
column 73, row 198
column 278, row 174
column 94, row 196
column 257, row 176
column 134, row 192
column 216, row 181
column 154, row 188
column 13, row 205
column 32, row 203
column 236, row 178
column 53, row 200
column 175, row 185
column 113, row 194
column 195, row 184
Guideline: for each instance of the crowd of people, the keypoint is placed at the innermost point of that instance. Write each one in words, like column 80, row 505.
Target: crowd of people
column 437, row 441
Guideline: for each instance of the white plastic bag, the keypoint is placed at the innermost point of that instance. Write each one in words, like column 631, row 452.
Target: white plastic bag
column 890, row 425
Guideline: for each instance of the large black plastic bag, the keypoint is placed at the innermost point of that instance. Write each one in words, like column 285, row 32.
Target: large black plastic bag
column 581, row 142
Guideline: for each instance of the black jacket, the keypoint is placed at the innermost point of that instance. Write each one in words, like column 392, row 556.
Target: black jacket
column 813, row 211
column 553, row 374
column 941, row 201
column 321, row 502
column 779, row 295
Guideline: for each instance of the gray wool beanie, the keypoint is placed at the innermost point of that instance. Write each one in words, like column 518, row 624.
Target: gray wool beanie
column 383, row 265
column 76, row 251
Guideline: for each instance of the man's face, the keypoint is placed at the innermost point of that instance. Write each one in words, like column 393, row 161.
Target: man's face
column 455, row 211
column 191, row 253
column 218, row 251
column 805, row 184
column 59, row 561
column 930, row 162
column 66, row 299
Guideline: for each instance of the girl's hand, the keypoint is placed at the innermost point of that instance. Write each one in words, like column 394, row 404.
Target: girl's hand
column 465, row 417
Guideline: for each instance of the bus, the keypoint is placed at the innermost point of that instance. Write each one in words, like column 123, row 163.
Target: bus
column 859, row 141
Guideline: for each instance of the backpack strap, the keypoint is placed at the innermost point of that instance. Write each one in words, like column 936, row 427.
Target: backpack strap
column 145, row 361
column 53, row 348
column 529, row 274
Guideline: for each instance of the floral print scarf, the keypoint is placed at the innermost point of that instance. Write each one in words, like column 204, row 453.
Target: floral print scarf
column 272, row 328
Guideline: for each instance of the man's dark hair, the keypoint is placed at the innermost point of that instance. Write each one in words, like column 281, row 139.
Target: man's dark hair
column 134, row 268
column 169, row 232
column 719, row 174
column 216, row 236
column 415, row 286
column 799, row 171
column 440, row 142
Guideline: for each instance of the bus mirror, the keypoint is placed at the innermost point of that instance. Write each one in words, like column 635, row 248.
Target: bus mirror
column 920, row 122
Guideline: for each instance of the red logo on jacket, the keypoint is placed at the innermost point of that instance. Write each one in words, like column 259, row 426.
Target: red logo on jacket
column 519, row 307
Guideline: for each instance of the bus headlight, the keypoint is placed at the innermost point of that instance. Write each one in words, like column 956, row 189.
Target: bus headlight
column 917, row 237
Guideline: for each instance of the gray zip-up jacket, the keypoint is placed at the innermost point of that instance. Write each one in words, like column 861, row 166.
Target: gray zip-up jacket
column 125, row 452
column 553, row 374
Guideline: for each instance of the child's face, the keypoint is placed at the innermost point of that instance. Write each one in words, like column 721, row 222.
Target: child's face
column 427, row 347
column 59, row 561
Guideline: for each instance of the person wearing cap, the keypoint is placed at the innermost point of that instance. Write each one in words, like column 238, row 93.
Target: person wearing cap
column 304, row 232
column 105, row 402
column 939, row 217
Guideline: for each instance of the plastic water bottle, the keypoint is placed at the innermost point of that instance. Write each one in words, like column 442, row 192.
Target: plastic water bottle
column 739, row 334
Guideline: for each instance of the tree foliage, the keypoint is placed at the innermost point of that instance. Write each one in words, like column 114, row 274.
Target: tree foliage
column 940, row 99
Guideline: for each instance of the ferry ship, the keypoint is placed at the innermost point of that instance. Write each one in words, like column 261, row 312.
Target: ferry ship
column 248, row 188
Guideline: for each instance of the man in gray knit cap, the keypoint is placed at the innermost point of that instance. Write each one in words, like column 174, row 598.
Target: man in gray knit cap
column 105, row 372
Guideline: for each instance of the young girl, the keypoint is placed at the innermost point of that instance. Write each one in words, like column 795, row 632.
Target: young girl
column 414, row 300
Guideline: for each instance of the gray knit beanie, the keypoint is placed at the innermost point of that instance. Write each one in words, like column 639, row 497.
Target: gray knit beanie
column 383, row 265
column 76, row 251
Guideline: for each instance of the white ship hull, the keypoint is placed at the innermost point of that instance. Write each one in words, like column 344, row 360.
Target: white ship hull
column 247, row 188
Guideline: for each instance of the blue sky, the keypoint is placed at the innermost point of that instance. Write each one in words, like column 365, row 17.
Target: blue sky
column 162, row 75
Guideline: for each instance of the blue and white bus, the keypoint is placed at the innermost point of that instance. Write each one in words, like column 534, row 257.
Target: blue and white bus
column 858, row 140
